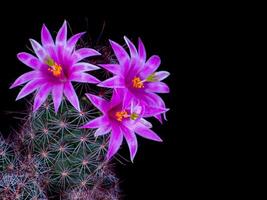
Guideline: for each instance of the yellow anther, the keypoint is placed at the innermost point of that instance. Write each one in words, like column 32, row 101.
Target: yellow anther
column 137, row 83
column 120, row 115
column 55, row 69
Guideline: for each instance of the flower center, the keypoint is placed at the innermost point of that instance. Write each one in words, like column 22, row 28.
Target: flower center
column 121, row 115
column 137, row 83
column 54, row 68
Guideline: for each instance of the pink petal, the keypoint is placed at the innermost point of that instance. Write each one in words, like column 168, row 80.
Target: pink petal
column 84, row 67
column 73, row 41
column 146, row 123
column 98, row 102
column 115, row 142
column 29, row 88
column 131, row 46
column 151, row 65
column 80, row 54
column 141, row 50
column 158, row 87
column 39, row 50
column 96, row 123
column 57, row 94
column 127, row 98
column 84, row 78
column 161, row 75
column 152, row 110
column 41, row 96
column 29, row 60
column 131, row 141
column 61, row 38
column 114, row 82
column 159, row 103
column 71, row 95
column 113, row 68
column 102, row 131
column 117, row 96
column 145, row 132
column 46, row 37
column 25, row 78
column 120, row 52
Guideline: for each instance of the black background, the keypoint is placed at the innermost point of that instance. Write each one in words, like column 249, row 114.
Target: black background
column 178, row 167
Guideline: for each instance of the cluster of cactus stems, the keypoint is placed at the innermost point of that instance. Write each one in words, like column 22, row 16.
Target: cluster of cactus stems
column 53, row 158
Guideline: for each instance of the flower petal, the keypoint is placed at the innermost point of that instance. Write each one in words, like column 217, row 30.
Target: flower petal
column 158, row 102
column 84, row 67
column 141, row 50
column 102, row 131
column 145, row 132
column 61, row 38
column 80, row 54
column 131, row 141
column 29, row 88
column 57, row 94
column 114, row 82
column 119, row 51
column 71, row 95
column 46, row 37
column 25, row 78
column 131, row 46
column 115, row 141
column 128, row 98
column 29, row 60
column 83, row 78
column 41, row 96
column 113, row 68
column 158, row 87
column 151, row 65
column 73, row 41
column 39, row 50
column 98, row 102
column 161, row 75
column 151, row 110
column 146, row 123
column 117, row 96
column 96, row 123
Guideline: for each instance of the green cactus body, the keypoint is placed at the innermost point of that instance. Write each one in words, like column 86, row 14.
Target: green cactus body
column 73, row 155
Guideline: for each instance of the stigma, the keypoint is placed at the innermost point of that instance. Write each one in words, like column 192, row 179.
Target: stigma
column 121, row 115
column 137, row 83
column 134, row 116
column 151, row 78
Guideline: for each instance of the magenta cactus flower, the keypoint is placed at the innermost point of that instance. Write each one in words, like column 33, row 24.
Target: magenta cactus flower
column 137, row 76
column 121, row 120
column 56, row 65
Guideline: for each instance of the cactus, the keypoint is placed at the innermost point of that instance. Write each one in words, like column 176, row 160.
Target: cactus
column 55, row 158
column 69, row 135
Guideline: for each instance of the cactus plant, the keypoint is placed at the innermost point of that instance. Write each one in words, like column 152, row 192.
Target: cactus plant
column 69, row 135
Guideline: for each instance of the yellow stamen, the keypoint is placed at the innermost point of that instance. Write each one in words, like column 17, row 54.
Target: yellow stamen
column 137, row 83
column 55, row 69
column 120, row 115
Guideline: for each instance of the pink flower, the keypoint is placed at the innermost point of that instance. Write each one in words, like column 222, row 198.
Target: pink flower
column 121, row 120
column 55, row 66
column 138, row 77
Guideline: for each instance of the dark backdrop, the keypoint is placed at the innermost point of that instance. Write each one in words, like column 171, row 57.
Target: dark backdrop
column 171, row 169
